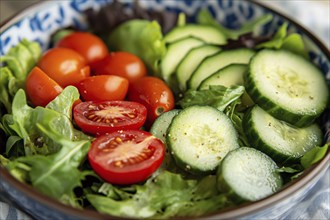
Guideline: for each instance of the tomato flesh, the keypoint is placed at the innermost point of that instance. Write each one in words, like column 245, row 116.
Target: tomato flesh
column 100, row 117
column 126, row 157
column 40, row 88
column 103, row 88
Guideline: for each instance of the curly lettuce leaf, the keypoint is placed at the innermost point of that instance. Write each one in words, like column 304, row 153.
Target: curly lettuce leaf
column 9, row 86
column 164, row 196
column 19, row 61
column 141, row 37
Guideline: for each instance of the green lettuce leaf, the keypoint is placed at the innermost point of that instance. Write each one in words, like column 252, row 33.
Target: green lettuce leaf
column 164, row 196
column 205, row 17
column 141, row 37
column 24, row 119
column 314, row 155
column 53, row 151
column 9, row 86
column 56, row 175
column 217, row 96
column 282, row 40
column 19, row 61
column 237, row 119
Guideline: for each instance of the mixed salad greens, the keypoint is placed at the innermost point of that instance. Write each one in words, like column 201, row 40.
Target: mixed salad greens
column 223, row 121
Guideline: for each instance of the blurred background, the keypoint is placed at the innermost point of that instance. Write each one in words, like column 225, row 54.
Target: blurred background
column 312, row 14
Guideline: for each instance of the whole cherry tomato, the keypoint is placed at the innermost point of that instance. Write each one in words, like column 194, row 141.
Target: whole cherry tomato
column 153, row 93
column 90, row 46
column 123, row 64
column 100, row 117
column 65, row 66
column 126, row 157
column 103, row 88
column 40, row 88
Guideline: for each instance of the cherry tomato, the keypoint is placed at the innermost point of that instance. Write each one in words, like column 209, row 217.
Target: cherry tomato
column 103, row 88
column 90, row 46
column 100, row 117
column 153, row 93
column 65, row 66
column 122, row 64
column 40, row 88
column 126, row 157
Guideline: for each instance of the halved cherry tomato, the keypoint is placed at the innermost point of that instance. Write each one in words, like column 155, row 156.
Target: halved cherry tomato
column 40, row 88
column 100, row 117
column 122, row 64
column 103, row 88
column 90, row 46
column 65, row 66
column 153, row 93
column 126, row 157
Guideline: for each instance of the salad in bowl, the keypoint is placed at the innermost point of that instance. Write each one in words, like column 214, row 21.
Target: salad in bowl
column 161, row 109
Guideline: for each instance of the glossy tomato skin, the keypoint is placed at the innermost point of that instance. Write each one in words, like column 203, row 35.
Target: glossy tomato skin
column 90, row 46
column 122, row 64
column 103, row 88
column 153, row 93
column 101, row 117
column 65, row 66
column 40, row 88
column 126, row 157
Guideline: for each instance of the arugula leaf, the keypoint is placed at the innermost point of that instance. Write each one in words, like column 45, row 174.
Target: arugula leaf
column 141, row 37
column 217, row 96
column 57, row 175
column 164, row 196
column 314, row 155
column 205, row 17
column 237, row 120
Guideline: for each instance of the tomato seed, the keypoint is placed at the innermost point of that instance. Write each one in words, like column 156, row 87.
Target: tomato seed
column 119, row 140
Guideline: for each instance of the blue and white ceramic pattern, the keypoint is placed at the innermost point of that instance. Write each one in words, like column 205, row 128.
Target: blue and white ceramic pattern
column 40, row 21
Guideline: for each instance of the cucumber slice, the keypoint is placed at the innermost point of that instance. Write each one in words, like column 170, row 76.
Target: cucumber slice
column 176, row 51
column 278, row 139
column 161, row 124
column 287, row 86
column 248, row 174
column 191, row 61
column 159, row 130
column 230, row 75
column 199, row 137
column 216, row 62
column 206, row 33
